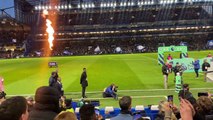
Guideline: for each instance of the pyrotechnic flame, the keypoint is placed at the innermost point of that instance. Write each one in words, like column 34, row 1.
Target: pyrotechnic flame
column 45, row 12
column 49, row 30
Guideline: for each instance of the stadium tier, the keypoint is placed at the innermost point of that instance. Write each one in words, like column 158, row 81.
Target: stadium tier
column 82, row 26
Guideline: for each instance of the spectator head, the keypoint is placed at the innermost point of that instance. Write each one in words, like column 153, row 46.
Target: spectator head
column 84, row 69
column 204, row 104
column 65, row 116
column 14, row 108
column 163, row 106
column 87, row 112
column 47, row 98
column 53, row 73
column 185, row 86
column 125, row 103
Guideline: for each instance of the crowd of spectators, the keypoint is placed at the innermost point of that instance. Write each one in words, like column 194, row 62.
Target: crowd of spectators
column 48, row 105
column 107, row 46
column 126, row 46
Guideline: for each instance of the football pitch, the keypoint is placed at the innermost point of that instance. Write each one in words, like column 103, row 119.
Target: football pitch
column 137, row 75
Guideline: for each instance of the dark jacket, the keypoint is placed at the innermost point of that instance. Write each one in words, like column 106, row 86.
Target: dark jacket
column 52, row 80
column 58, row 86
column 204, row 65
column 42, row 115
column 83, row 80
column 177, row 69
column 165, row 70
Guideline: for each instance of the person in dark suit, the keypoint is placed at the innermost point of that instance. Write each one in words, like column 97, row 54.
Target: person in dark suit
column 58, row 86
column 83, row 82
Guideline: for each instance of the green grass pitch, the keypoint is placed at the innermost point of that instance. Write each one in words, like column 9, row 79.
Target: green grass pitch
column 128, row 71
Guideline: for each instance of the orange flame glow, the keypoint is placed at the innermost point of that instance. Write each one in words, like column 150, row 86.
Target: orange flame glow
column 49, row 30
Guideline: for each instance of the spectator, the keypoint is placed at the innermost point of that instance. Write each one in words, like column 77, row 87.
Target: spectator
column 186, row 94
column 68, row 103
column 125, row 104
column 87, row 112
column 14, row 108
column 165, row 112
column 46, row 104
column 203, row 108
column 30, row 103
column 66, row 116
column 186, row 110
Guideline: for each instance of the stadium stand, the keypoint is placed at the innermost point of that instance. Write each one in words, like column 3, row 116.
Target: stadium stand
column 81, row 27
column 103, row 27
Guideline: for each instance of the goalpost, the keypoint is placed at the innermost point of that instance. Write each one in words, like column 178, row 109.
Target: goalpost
column 161, row 50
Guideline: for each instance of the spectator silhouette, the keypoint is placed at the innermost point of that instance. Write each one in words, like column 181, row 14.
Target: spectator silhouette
column 46, row 104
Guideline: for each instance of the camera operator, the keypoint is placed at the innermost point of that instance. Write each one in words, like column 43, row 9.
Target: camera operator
column 110, row 91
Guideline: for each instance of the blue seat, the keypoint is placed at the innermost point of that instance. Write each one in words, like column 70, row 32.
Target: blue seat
column 74, row 105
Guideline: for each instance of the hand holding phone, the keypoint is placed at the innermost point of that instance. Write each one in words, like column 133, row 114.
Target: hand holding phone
column 170, row 100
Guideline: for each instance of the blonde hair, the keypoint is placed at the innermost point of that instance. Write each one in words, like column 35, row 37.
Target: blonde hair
column 162, row 108
column 65, row 116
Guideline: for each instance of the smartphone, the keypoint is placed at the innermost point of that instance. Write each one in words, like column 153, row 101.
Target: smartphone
column 202, row 94
column 170, row 100
column 97, row 112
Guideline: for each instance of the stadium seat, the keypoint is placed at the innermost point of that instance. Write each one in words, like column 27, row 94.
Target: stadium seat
column 154, row 111
column 154, row 107
column 111, row 112
column 77, row 112
column 74, row 105
column 139, row 107
column 109, row 109
column 139, row 112
column 146, row 118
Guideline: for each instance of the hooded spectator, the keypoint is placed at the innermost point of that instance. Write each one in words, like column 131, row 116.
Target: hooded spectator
column 46, row 104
